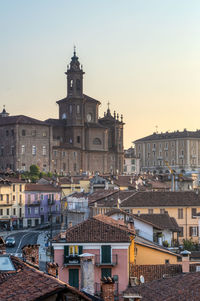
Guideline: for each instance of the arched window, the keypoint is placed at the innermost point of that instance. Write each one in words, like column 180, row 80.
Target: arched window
column 78, row 84
column 97, row 141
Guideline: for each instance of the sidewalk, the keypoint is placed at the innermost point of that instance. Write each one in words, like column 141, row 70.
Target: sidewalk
column 43, row 257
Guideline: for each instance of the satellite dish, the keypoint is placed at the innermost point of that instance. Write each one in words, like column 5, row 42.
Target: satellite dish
column 142, row 279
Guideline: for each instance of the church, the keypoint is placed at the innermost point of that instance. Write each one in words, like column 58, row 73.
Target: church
column 79, row 141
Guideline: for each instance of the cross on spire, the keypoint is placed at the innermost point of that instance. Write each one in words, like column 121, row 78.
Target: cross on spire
column 108, row 105
column 74, row 50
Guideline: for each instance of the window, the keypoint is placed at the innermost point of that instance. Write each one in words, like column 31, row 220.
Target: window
column 72, row 250
column 1, row 197
column 181, row 232
column 78, row 109
column 12, row 150
column 13, row 187
column 78, row 139
column 105, row 254
column 63, row 154
column 33, row 150
column 7, row 132
column 64, row 166
column 12, row 132
column 162, row 211
column 14, row 211
column 44, row 134
column 23, row 132
column 29, row 210
column 13, row 198
column 133, row 161
column 106, row 272
column 7, row 211
column 166, row 261
column 33, row 133
column 150, row 211
column 36, row 210
column 78, row 84
column 193, row 212
column 44, row 150
column 193, row 231
column 20, row 188
column 29, row 198
column 55, row 153
column 70, row 109
column 20, row 198
column 23, row 149
column 41, row 209
column 36, row 197
column 7, row 197
column 180, row 213
column 97, row 141
column 1, row 211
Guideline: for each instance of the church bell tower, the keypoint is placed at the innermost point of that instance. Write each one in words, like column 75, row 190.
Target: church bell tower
column 74, row 77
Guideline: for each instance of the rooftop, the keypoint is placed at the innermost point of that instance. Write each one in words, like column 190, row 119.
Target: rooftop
column 182, row 287
column 171, row 135
column 98, row 229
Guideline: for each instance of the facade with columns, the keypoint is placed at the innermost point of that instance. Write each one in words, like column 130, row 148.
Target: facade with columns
column 178, row 150
column 78, row 141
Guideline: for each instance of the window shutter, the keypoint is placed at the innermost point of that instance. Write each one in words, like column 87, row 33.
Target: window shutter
column 191, row 232
column 106, row 254
column 66, row 251
column 197, row 231
column 80, row 250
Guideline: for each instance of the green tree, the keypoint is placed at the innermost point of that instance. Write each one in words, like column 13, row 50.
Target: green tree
column 34, row 170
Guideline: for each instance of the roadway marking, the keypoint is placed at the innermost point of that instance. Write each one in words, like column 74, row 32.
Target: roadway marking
column 21, row 240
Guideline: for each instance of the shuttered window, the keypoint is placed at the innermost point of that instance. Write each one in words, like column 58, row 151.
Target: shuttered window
column 106, row 254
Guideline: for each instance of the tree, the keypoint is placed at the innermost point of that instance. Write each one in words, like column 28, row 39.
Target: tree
column 34, row 170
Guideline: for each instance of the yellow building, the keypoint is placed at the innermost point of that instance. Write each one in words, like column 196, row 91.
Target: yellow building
column 70, row 185
column 150, row 253
column 12, row 205
column 182, row 205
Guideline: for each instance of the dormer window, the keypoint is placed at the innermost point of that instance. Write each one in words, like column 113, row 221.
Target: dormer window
column 71, row 83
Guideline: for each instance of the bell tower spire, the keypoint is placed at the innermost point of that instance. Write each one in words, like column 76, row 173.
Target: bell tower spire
column 74, row 77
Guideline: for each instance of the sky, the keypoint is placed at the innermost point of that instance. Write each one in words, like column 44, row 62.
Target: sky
column 143, row 56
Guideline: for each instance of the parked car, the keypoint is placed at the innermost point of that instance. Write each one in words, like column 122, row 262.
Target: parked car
column 10, row 242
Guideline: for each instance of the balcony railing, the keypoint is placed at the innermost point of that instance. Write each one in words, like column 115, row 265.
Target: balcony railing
column 72, row 260
column 98, row 290
column 113, row 260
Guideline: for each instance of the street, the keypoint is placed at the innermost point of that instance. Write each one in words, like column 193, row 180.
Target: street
column 23, row 238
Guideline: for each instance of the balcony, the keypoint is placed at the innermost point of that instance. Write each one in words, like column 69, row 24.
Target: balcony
column 35, row 203
column 112, row 262
column 71, row 260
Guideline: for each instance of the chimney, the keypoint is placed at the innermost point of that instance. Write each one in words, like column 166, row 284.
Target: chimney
column 87, row 273
column 108, row 289
column 31, row 254
column 52, row 268
column 185, row 261
column 2, row 246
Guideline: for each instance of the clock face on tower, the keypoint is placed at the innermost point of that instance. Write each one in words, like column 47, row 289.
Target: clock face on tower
column 89, row 117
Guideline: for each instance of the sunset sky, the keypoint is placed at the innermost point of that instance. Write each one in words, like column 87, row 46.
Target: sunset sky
column 143, row 56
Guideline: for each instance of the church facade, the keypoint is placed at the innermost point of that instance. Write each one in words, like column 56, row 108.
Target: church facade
column 79, row 141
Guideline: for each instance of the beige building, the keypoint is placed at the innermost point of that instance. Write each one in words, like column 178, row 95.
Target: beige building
column 79, row 141
column 12, row 206
column 180, row 149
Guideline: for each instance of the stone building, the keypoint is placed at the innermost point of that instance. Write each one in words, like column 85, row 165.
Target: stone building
column 179, row 150
column 78, row 141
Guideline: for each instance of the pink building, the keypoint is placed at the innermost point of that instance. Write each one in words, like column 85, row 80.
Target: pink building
column 92, row 250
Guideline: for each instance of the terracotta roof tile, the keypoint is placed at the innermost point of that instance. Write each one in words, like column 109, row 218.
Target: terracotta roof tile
column 40, row 187
column 182, row 287
column 97, row 229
